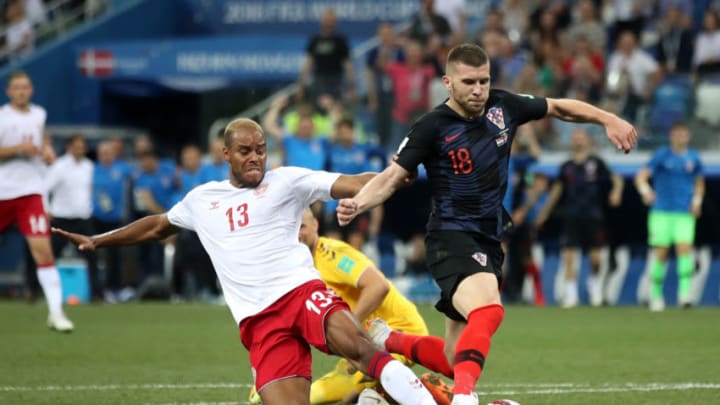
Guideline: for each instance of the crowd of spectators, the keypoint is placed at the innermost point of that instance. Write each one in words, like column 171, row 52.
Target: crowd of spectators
column 25, row 23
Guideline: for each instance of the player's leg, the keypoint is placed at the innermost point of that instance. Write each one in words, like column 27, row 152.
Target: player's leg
column 684, row 237
column 595, row 283
column 595, row 240
column 291, row 391
column 346, row 338
column 571, row 242
column 477, row 299
column 659, row 238
column 569, row 256
column 33, row 223
column 428, row 351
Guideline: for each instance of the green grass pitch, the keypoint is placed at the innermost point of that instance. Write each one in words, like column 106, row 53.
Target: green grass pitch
column 191, row 354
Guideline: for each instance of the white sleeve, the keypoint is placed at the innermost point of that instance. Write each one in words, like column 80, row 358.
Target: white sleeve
column 310, row 185
column 181, row 214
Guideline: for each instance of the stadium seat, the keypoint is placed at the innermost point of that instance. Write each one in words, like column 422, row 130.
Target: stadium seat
column 672, row 101
column 708, row 100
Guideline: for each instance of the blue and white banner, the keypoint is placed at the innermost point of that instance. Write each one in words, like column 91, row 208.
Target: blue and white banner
column 196, row 64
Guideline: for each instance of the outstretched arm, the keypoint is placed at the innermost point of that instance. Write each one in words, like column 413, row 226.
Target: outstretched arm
column 620, row 132
column 375, row 192
column 373, row 287
column 348, row 185
column 147, row 229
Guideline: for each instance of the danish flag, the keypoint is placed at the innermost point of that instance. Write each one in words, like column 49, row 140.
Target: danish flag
column 96, row 63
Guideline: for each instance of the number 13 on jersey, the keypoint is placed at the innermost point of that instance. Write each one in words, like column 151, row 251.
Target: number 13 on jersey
column 242, row 216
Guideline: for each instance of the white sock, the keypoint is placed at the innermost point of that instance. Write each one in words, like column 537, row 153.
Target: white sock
column 571, row 291
column 403, row 385
column 50, row 281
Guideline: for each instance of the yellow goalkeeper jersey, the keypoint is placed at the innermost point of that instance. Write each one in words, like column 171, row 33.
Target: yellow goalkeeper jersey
column 341, row 266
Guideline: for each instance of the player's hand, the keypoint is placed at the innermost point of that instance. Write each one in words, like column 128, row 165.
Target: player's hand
column 615, row 199
column 28, row 149
column 518, row 216
column 83, row 242
column 648, row 197
column 621, row 133
column 696, row 210
column 48, row 154
column 346, row 210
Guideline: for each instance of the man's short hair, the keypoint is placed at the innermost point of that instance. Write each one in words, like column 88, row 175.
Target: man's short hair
column 467, row 54
column 17, row 74
column 240, row 124
column 346, row 121
column 679, row 125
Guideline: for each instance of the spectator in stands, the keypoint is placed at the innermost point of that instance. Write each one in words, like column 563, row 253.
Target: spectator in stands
column 192, row 269
column 545, row 31
column 69, row 185
column 300, row 148
column 20, row 34
column 411, row 80
column 217, row 168
column 674, row 50
column 379, row 84
column 510, row 63
column 627, row 15
column 582, row 187
column 707, row 47
column 346, row 156
column 642, row 73
column 427, row 23
column 110, row 195
column 588, row 27
column 320, row 112
column 36, row 12
column 454, row 13
column 516, row 19
column 328, row 62
column 153, row 189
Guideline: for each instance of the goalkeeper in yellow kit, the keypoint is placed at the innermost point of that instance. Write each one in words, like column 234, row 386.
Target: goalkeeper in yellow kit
column 370, row 295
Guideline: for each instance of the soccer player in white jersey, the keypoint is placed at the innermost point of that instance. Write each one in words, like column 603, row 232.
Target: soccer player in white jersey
column 249, row 226
column 24, row 154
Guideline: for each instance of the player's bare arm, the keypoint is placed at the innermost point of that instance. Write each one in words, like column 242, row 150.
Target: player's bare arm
column 375, row 192
column 620, row 132
column 643, row 186
column 348, row 185
column 698, row 195
column 25, row 149
column 553, row 198
column 615, row 196
column 373, row 287
column 147, row 229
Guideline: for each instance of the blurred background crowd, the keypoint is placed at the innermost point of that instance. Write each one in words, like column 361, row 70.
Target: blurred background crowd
column 350, row 102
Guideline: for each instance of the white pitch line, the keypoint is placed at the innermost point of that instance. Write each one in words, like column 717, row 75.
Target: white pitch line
column 606, row 389
column 115, row 387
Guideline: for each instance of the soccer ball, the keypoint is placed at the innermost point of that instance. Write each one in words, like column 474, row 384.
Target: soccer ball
column 503, row 402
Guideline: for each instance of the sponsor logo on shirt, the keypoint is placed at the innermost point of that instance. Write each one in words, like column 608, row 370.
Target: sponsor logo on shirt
column 689, row 166
column 452, row 137
column 214, row 205
column 346, row 264
column 495, row 115
column 480, row 257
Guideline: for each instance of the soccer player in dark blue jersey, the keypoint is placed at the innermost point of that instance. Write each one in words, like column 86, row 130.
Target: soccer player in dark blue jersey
column 464, row 144
column 583, row 190
column 676, row 201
